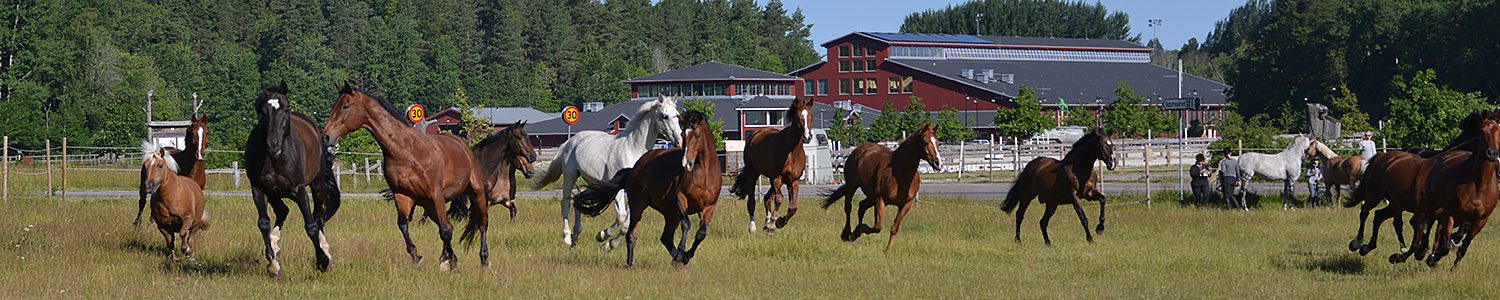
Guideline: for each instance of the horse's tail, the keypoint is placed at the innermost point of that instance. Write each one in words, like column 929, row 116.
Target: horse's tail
column 459, row 210
column 202, row 223
column 744, row 184
column 1014, row 196
column 833, row 196
column 478, row 215
column 329, row 187
column 595, row 198
column 554, row 169
column 1357, row 196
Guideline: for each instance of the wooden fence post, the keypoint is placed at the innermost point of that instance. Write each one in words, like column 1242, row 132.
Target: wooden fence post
column 1146, row 155
column 234, row 170
column 367, row 171
column 65, row 168
column 1017, row 157
column 48, row 144
column 1240, row 147
column 5, row 192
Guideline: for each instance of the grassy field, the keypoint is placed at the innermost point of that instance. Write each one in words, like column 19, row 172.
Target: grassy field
column 948, row 248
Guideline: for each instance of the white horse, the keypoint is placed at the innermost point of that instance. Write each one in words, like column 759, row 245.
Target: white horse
column 597, row 156
column 1285, row 166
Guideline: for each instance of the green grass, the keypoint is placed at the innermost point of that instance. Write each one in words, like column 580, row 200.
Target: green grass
column 947, row 248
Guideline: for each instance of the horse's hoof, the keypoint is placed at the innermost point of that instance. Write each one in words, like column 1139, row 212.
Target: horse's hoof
column 1432, row 261
column 770, row 229
column 781, row 222
column 445, row 266
column 325, row 265
column 845, row 237
column 1365, row 249
column 274, row 269
column 569, row 241
column 1356, row 244
column 1397, row 258
column 1049, row 243
column 1099, row 229
column 678, row 264
column 417, row 261
column 752, row 226
column 601, row 236
column 1091, row 240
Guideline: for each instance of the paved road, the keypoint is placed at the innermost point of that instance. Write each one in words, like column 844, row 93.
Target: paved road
column 988, row 191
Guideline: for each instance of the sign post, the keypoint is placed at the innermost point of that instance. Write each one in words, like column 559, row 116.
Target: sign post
column 1182, row 105
column 415, row 113
column 570, row 115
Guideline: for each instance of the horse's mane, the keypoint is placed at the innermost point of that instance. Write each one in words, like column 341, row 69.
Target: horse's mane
column 1088, row 140
column 495, row 138
column 389, row 108
column 640, row 114
column 1324, row 150
column 150, row 150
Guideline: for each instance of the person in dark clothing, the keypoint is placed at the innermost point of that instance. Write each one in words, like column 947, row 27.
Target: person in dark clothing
column 1200, row 180
column 1229, row 181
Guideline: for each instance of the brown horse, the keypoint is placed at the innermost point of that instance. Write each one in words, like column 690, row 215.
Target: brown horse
column 887, row 178
column 284, row 158
column 192, row 158
column 659, row 181
column 421, row 169
column 1339, row 171
column 1058, row 182
column 1462, row 188
column 776, row 154
column 500, row 155
column 176, row 202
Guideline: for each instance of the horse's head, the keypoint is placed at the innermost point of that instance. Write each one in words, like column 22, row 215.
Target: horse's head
column 696, row 138
column 1106, row 150
column 800, row 116
column 667, row 118
column 518, row 148
column 926, row 137
column 1491, row 130
column 198, row 140
column 275, row 116
column 351, row 111
column 157, row 165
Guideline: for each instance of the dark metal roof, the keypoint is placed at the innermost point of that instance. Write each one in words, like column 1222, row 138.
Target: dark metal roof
column 1060, row 42
column 927, row 38
column 711, row 71
column 1075, row 81
column 724, row 110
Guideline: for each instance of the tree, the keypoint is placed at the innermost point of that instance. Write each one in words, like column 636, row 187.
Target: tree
column 707, row 108
column 913, row 117
column 885, row 127
column 950, row 129
column 1024, row 119
column 471, row 127
column 1427, row 114
column 1346, row 108
column 1126, row 116
column 846, row 128
column 1045, row 18
column 1080, row 116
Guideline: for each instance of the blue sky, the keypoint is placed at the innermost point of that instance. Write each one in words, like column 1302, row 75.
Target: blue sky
column 1180, row 19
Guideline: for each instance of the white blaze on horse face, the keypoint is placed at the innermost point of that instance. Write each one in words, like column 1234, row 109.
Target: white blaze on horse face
column 933, row 143
column 806, row 125
column 275, row 103
column 202, row 143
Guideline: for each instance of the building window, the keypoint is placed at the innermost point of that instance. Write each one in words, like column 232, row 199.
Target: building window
column 906, row 83
column 843, row 66
column 844, row 51
column 870, row 65
column 870, row 87
column 822, row 87
column 844, row 86
column 809, row 87
column 895, row 85
column 859, row 86
column 869, row 51
column 763, row 118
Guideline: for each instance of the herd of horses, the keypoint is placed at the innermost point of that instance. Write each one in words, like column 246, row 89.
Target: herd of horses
column 287, row 156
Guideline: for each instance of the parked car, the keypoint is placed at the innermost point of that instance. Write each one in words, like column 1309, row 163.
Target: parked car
column 979, row 142
column 1063, row 134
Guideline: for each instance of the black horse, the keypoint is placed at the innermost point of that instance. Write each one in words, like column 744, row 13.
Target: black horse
column 284, row 157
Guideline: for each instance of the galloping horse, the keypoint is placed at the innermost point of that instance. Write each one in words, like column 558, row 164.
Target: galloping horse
column 192, row 158
column 1462, row 188
column 776, row 154
column 887, row 178
column 283, row 158
column 597, row 156
column 421, row 169
column 1285, row 166
column 500, row 155
column 660, row 182
column 176, row 203
column 1058, row 182
column 1338, row 171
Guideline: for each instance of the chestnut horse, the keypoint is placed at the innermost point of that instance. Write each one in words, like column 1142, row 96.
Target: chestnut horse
column 421, row 169
column 1339, row 171
column 776, row 154
column 659, row 181
column 176, row 202
column 191, row 158
column 1462, row 188
column 887, row 178
column 283, row 159
column 1058, row 182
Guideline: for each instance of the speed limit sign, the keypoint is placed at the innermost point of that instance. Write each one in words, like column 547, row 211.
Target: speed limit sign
column 570, row 114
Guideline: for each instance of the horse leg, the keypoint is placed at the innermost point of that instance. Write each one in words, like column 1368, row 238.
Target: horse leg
column 679, row 254
column 1286, row 194
column 622, row 216
column 264, row 223
column 791, row 191
column 668, row 228
column 278, row 207
column 1380, row 216
column 1444, row 244
column 404, row 209
column 314, row 230
column 1359, row 237
column 896, row 226
column 1047, row 216
column 750, row 201
column 1419, row 226
column 1472, row 231
column 1099, row 229
column 167, row 237
column 773, row 204
column 141, row 204
column 848, row 234
column 570, row 230
column 1020, row 216
column 434, row 208
column 703, row 218
column 635, row 222
column 1078, row 207
column 864, row 206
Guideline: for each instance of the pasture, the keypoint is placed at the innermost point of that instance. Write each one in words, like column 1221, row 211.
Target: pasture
column 947, row 248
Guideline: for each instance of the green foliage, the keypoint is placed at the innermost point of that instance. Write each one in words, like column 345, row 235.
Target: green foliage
column 707, row 108
column 1346, row 109
column 847, row 131
column 950, row 129
column 1080, row 116
column 1125, row 116
column 1045, row 18
column 885, row 127
column 1427, row 114
column 473, row 128
column 1024, row 119
column 1235, row 129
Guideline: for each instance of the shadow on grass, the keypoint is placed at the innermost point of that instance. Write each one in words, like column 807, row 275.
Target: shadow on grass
column 1341, row 263
column 240, row 262
column 144, row 245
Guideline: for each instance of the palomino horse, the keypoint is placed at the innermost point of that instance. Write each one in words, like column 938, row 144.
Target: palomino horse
column 421, row 169
column 1339, row 171
column 1058, row 182
column 283, row 158
column 192, row 158
column 597, row 156
column 1285, row 166
column 1461, row 188
column 176, row 202
column 776, row 154
column 887, row 178
column 660, row 182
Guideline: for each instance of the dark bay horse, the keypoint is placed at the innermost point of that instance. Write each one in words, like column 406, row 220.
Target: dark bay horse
column 421, row 169
column 284, row 157
column 887, row 178
column 1462, row 188
column 1058, row 182
column 176, row 202
column 659, row 181
column 776, row 154
column 191, row 159
column 500, row 155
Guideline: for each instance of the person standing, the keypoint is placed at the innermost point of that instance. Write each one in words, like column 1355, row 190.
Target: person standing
column 1229, row 181
column 1314, row 173
column 1367, row 146
column 1200, row 180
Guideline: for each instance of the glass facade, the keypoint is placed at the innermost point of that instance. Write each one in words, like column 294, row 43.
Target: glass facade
column 1019, row 54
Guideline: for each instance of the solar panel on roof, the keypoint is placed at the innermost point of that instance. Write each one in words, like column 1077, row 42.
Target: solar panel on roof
column 928, row 38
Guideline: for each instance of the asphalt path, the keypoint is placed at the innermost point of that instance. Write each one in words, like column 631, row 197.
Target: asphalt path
column 977, row 191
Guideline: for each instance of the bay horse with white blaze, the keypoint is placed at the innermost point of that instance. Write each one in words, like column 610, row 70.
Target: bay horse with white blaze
column 421, row 169
column 776, row 154
column 1057, row 182
column 176, row 202
column 283, row 159
column 660, row 182
column 887, row 178
column 190, row 159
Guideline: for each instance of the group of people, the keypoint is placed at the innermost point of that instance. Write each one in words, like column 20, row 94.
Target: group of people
column 1230, row 181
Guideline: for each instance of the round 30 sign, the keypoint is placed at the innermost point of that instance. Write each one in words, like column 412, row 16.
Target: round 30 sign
column 570, row 114
column 415, row 113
